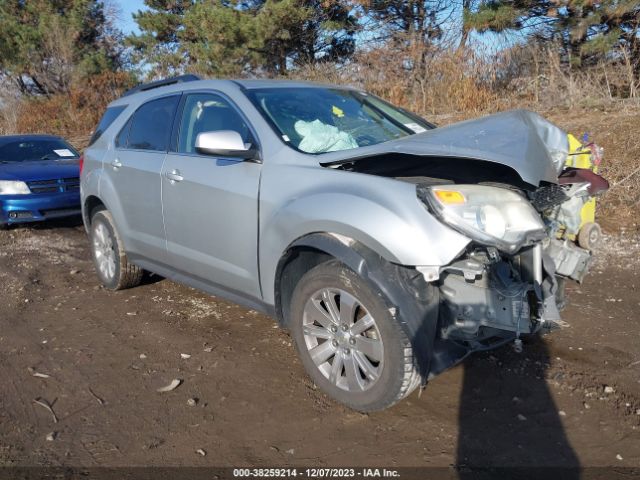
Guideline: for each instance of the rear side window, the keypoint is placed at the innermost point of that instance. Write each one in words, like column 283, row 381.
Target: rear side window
column 151, row 125
column 107, row 119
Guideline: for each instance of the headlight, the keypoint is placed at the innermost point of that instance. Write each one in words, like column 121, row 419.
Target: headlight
column 490, row 215
column 11, row 187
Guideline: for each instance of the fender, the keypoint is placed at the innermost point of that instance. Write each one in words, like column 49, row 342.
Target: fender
column 385, row 215
column 411, row 301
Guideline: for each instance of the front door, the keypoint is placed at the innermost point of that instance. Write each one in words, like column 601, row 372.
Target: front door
column 210, row 204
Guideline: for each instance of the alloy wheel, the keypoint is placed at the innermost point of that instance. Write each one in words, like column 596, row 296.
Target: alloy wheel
column 343, row 339
column 104, row 249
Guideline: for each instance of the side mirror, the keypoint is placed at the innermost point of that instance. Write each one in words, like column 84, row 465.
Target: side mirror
column 226, row 143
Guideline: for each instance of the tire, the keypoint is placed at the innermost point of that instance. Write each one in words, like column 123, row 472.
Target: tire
column 112, row 266
column 590, row 236
column 382, row 349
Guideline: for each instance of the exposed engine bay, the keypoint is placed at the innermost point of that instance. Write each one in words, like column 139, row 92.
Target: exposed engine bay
column 484, row 297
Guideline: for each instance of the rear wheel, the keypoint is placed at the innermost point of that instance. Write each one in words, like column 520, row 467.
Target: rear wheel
column 348, row 341
column 111, row 262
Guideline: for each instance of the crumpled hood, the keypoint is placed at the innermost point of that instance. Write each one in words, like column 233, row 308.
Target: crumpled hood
column 534, row 147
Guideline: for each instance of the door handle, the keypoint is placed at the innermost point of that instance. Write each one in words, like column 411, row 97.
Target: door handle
column 174, row 176
column 116, row 164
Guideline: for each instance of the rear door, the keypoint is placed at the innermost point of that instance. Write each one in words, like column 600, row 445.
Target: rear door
column 210, row 203
column 141, row 148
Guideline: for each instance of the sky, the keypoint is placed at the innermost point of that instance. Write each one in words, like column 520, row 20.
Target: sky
column 127, row 7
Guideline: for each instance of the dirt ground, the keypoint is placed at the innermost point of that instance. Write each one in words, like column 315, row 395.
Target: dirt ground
column 571, row 398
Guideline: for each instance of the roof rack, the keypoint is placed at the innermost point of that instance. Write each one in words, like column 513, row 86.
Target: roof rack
column 161, row 83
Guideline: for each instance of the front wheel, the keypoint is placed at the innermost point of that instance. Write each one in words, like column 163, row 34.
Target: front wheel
column 112, row 265
column 348, row 340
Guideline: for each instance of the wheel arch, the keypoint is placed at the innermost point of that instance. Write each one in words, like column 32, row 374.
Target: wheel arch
column 89, row 206
column 410, row 299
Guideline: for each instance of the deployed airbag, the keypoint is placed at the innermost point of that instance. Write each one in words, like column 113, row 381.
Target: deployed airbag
column 318, row 137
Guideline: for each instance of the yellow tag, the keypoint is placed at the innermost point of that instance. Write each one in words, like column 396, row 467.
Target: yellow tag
column 337, row 112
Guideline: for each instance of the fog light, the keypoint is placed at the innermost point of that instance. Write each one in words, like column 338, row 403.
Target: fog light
column 20, row 214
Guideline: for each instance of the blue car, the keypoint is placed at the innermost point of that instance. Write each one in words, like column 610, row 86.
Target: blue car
column 39, row 179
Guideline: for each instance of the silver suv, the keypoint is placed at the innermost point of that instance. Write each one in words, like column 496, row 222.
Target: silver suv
column 390, row 249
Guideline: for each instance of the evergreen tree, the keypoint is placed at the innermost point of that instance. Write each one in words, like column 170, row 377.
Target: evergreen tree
column 418, row 20
column 586, row 30
column 236, row 37
column 45, row 44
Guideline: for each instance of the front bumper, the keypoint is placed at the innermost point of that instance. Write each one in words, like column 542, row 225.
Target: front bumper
column 484, row 297
column 487, row 300
column 37, row 207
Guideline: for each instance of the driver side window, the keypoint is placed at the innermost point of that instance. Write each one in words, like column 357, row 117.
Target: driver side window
column 207, row 112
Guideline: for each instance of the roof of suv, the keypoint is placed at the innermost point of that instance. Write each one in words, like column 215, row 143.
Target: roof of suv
column 255, row 84
column 213, row 83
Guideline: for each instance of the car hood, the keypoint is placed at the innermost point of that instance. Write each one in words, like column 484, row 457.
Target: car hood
column 534, row 147
column 39, row 170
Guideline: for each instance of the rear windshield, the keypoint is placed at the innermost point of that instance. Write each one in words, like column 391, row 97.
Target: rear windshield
column 107, row 119
column 33, row 149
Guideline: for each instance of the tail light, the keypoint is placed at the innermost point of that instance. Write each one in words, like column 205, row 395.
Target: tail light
column 81, row 163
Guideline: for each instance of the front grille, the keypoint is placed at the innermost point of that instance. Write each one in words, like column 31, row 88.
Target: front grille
column 70, row 184
column 59, row 212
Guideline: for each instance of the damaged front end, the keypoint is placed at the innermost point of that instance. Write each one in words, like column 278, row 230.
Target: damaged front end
column 510, row 184
column 486, row 297
column 572, row 234
column 505, row 286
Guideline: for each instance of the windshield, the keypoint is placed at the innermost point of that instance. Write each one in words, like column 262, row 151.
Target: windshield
column 26, row 150
column 319, row 120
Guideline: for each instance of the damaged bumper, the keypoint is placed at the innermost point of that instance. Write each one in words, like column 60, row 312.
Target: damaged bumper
column 488, row 299
column 491, row 295
column 485, row 296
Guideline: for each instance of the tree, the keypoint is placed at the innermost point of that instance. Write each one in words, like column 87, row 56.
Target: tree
column 304, row 32
column 158, row 44
column 236, row 37
column 586, row 30
column 44, row 45
column 422, row 21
